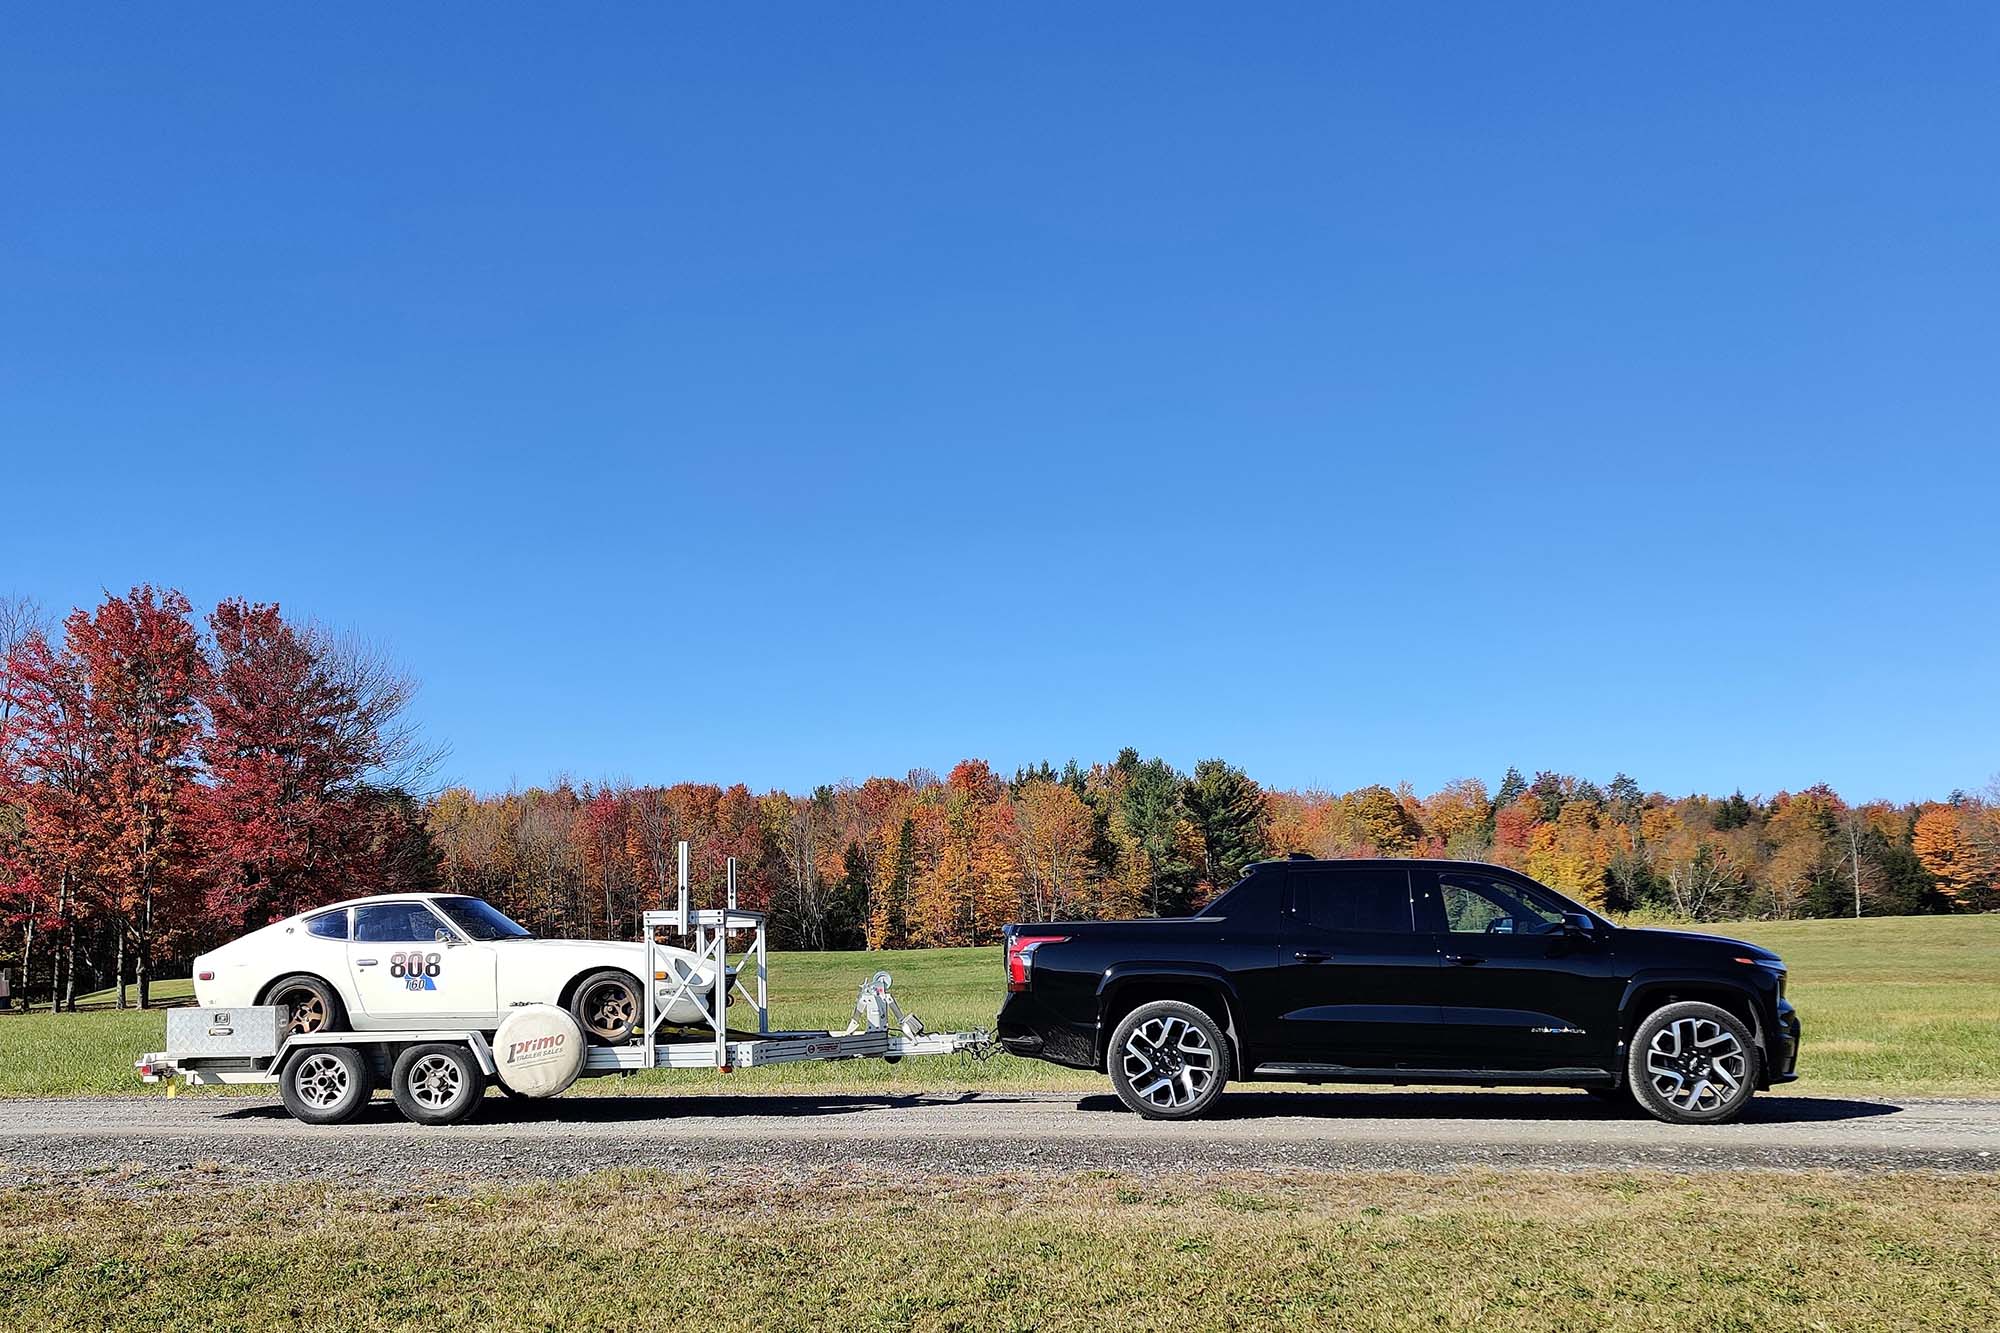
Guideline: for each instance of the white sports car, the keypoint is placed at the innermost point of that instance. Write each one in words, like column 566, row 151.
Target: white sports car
column 429, row 960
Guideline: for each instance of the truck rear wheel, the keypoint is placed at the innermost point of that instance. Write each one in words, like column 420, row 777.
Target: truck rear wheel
column 437, row 1083
column 1168, row 1060
column 325, row 1085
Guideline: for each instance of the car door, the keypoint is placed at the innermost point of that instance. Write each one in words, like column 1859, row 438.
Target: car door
column 409, row 964
column 1358, row 979
column 1519, row 991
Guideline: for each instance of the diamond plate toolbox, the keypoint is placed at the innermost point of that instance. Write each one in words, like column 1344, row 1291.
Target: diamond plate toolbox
column 252, row 1030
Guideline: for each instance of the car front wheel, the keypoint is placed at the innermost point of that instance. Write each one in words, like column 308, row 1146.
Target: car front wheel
column 606, row 1004
column 1693, row 1063
column 1168, row 1060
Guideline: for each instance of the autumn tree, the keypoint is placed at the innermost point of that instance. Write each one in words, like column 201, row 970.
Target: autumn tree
column 1053, row 833
column 1227, row 808
column 303, row 727
column 146, row 677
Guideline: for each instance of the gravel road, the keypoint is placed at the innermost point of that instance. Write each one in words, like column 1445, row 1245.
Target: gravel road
column 981, row 1133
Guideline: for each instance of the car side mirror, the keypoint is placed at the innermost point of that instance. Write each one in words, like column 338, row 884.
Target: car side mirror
column 445, row 937
column 1578, row 926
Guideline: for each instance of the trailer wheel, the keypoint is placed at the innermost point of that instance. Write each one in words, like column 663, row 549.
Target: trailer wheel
column 438, row 1083
column 326, row 1085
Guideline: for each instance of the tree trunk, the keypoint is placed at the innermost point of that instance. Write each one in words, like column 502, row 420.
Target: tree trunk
column 69, row 967
column 27, row 960
column 143, row 964
column 118, row 959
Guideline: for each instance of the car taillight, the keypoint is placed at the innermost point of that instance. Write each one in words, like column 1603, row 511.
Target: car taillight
column 1021, row 956
column 204, row 976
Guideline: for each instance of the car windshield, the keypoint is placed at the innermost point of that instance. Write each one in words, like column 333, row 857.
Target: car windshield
column 481, row 920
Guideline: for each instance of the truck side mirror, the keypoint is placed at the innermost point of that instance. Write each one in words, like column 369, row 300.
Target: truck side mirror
column 1578, row 926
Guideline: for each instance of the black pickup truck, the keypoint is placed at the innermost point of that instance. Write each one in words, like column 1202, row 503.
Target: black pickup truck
column 1397, row 971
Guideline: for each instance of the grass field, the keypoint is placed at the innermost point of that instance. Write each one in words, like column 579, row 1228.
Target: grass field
column 1627, row 1250
column 1902, row 1005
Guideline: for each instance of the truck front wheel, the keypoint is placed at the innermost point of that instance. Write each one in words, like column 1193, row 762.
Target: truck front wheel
column 1693, row 1064
column 1168, row 1060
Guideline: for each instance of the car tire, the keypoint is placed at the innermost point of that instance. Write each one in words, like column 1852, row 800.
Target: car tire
column 325, row 1085
column 315, row 1006
column 1168, row 1060
column 606, row 1019
column 1692, row 1063
column 437, row 1083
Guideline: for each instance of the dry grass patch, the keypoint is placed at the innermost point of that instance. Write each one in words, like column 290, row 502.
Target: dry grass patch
column 1516, row 1250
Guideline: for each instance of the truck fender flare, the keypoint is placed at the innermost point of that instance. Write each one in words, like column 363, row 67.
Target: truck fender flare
column 1642, row 989
column 1210, row 980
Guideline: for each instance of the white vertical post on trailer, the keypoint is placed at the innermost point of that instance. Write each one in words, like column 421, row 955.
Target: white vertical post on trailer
column 681, row 924
column 722, row 970
column 731, row 900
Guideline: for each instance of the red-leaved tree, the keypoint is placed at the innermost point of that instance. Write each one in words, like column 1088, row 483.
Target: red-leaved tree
column 306, row 732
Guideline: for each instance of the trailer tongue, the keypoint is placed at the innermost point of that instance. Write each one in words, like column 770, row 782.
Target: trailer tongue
column 441, row 1076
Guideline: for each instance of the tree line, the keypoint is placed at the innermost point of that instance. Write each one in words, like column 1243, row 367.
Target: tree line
column 165, row 785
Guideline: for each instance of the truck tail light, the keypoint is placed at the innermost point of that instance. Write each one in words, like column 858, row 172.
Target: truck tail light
column 1021, row 956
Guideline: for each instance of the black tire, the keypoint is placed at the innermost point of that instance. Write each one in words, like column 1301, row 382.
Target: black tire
column 1692, row 1063
column 437, row 1083
column 1168, row 1060
column 315, row 1006
column 605, row 1019
column 325, row 1085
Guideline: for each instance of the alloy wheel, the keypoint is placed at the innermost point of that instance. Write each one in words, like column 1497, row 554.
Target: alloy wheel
column 1697, row 1064
column 321, row 1081
column 1169, row 1062
column 609, row 1010
column 308, row 1011
column 435, row 1081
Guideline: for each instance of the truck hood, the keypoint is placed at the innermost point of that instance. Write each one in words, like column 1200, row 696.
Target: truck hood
column 1683, row 939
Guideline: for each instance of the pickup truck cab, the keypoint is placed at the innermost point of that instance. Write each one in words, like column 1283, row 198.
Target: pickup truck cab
column 1400, row 971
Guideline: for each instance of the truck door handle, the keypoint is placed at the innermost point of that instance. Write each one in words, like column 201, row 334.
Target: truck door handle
column 1312, row 955
column 1463, row 960
column 364, row 962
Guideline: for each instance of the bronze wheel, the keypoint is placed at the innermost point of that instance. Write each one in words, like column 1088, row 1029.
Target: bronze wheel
column 314, row 1006
column 607, row 1005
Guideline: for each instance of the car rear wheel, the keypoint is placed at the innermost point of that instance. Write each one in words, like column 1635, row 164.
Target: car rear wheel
column 1168, row 1060
column 438, row 1083
column 1693, row 1064
column 325, row 1085
column 606, row 1004
column 315, row 1005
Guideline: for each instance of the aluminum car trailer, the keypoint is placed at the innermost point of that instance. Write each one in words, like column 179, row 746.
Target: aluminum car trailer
column 441, row 1075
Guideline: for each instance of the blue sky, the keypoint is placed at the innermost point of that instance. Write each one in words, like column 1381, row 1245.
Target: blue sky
column 780, row 393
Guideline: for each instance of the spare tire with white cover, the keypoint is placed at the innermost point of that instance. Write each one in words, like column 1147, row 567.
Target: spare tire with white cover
column 539, row 1050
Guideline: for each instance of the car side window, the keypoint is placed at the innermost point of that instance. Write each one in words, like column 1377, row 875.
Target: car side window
column 328, row 925
column 1488, row 905
column 395, row 923
column 1354, row 898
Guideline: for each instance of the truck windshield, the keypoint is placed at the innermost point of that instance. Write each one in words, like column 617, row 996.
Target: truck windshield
column 481, row 920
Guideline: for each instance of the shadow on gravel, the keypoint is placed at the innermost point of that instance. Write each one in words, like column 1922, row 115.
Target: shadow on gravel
column 613, row 1110
column 1763, row 1110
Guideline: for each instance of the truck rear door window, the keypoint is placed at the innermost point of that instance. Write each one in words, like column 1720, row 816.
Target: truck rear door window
column 1354, row 898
